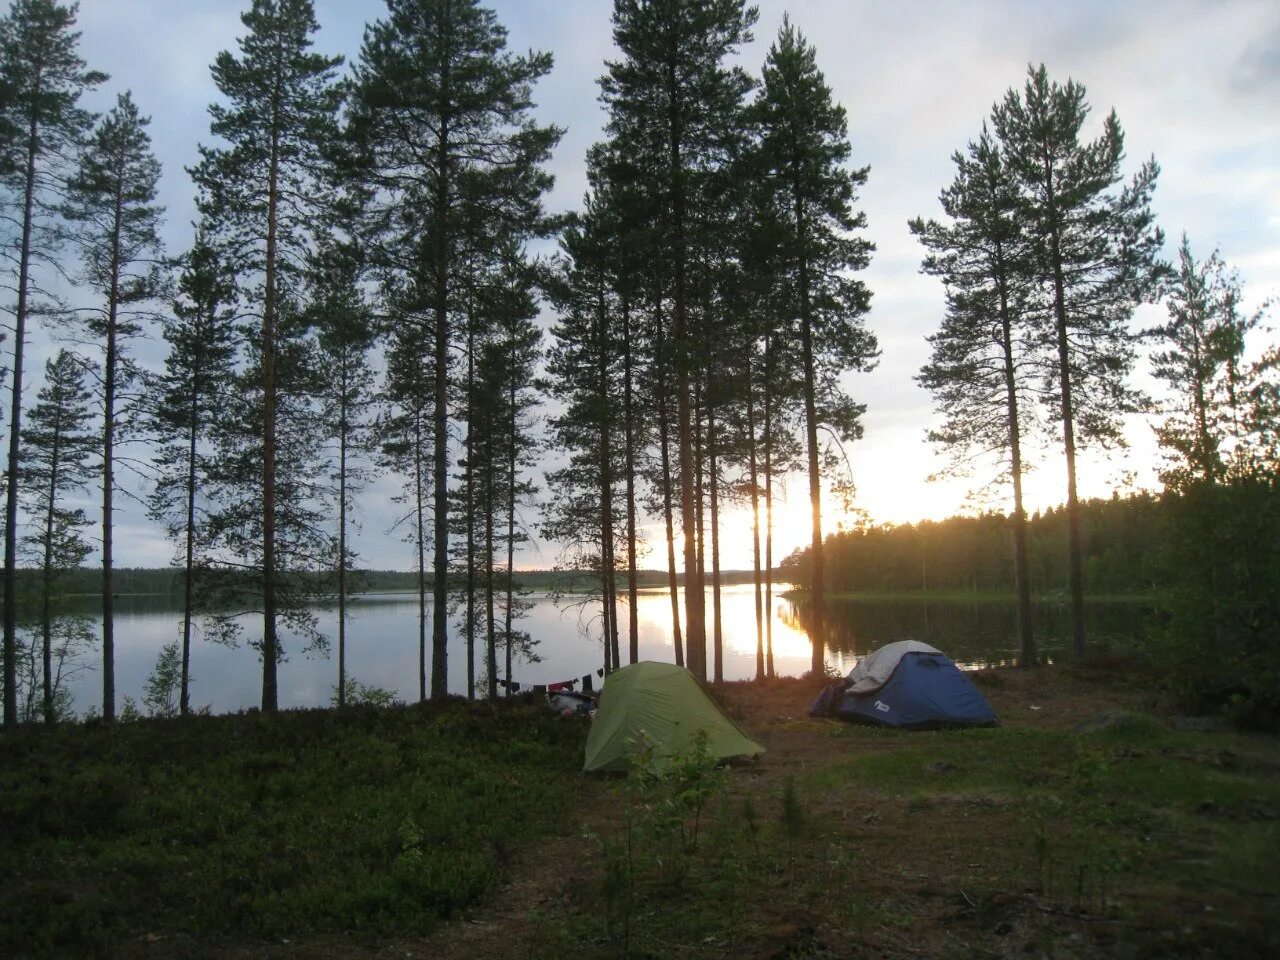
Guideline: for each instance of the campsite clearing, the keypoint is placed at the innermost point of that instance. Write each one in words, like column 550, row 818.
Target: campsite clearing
column 1031, row 839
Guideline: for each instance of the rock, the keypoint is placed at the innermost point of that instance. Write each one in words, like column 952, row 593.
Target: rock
column 1110, row 720
column 940, row 766
column 1200, row 724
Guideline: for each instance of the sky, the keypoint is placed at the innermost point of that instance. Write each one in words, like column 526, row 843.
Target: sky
column 1196, row 84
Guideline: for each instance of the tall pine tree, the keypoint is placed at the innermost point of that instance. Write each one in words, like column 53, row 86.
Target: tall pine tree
column 804, row 150
column 43, row 126
column 987, row 361
column 259, row 199
column 1096, row 248
column 112, row 200
column 445, row 115
column 57, row 465
column 188, row 397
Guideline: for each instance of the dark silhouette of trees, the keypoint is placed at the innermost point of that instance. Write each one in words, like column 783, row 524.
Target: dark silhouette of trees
column 258, row 197
column 804, row 148
column 112, row 201
column 1096, row 247
column 187, row 400
column 42, row 129
column 988, row 360
column 443, row 114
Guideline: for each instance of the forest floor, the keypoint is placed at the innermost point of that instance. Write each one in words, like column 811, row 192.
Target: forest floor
column 1092, row 823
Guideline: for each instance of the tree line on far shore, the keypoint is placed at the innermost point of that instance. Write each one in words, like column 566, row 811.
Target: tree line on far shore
column 361, row 297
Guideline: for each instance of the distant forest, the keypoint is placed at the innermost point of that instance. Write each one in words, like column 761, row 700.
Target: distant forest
column 168, row 581
column 1122, row 539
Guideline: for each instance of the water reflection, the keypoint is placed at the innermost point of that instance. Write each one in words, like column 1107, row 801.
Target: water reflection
column 382, row 643
column 974, row 634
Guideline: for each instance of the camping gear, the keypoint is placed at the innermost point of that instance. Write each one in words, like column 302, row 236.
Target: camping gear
column 569, row 703
column 662, row 705
column 909, row 685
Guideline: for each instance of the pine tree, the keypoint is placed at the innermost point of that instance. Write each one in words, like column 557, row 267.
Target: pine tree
column 301, row 549
column 112, row 200
column 444, row 112
column 259, row 199
column 803, row 151
column 987, row 360
column 1202, row 362
column 406, row 425
column 345, row 338
column 187, row 399
column 673, row 105
column 1096, row 248
column 583, row 364
column 517, row 354
column 41, row 131
column 58, row 450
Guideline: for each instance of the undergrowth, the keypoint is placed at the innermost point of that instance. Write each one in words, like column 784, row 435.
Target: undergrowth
column 255, row 826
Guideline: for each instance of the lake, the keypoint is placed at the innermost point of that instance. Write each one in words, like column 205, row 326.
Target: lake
column 382, row 643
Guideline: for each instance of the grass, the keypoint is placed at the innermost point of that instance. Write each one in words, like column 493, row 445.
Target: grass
column 355, row 835
column 249, row 826
column 970, row 843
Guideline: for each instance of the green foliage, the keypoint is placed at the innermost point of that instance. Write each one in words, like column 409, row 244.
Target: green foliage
column 662, row 803
column 1220, row 642
column 1202, row 363
column 164, row 684
column 259, row 826
column 56, row 467
column 971, row 554
column 358, row 694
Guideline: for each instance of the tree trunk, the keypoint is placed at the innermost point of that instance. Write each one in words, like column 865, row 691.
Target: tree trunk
column 512, row 427
column 664, row 446
column 46, row 614
column 270, row 650
column 188, row 565
column 768, row 507
column 817, row 574
column 633, row 612
column 755, row 520
column 15, row 432
column 695, row 627
column 1021, row 571
column 717, row 635
column 490, row 638
column 420, row 508
column 439, row 623
column 108, row 462
column 1075, row 555
column 342, row 536
column 604, row 455
column 469, row 481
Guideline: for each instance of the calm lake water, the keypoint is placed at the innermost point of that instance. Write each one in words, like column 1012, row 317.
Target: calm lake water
column 382, row 636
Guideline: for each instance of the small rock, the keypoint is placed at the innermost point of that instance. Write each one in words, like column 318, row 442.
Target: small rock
column 1200, row 724
column 1104, row 721
column 940, row 766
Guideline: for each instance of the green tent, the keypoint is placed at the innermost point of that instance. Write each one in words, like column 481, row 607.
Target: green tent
column 661, row 704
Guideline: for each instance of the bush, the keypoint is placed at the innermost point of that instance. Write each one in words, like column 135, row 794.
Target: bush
column 1221, row 602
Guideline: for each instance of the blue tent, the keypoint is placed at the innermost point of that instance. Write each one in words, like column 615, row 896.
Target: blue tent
column 908, row 685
